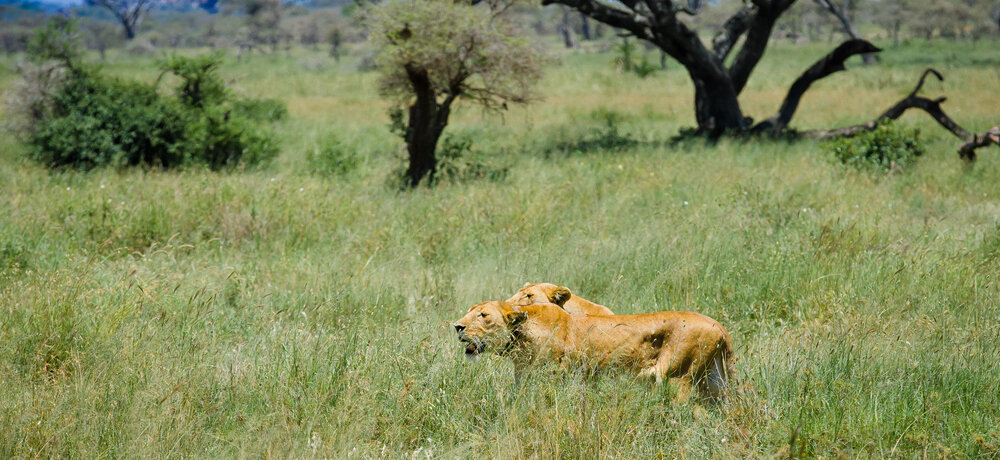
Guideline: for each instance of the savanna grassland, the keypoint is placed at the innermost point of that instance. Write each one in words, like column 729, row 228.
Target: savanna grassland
column 302, row 308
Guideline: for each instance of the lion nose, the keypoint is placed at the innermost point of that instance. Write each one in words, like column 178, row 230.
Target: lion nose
column 459, row 328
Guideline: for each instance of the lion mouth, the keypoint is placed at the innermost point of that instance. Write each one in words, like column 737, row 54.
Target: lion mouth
column 473, row 347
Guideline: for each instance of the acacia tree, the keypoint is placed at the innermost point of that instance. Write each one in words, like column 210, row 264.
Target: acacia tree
column 717, row 85
column 434, row 52
column 719, row 79
column 129, row 13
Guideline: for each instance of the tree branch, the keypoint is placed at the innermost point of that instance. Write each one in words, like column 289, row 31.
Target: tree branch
column 831, row 63
column 732, row 30
column 933, row 108
column 968, row 150
column 848, row 26
column 633, row 22
column 761, row 24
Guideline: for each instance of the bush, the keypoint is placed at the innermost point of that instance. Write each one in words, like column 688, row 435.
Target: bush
column 85, row 119
column 98, row 121
column 887, row 146
column 459, row 161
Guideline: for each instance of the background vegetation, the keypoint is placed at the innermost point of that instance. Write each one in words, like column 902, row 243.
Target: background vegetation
column 302, row 309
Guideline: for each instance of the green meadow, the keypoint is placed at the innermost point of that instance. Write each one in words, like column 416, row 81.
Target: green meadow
column 302, row 308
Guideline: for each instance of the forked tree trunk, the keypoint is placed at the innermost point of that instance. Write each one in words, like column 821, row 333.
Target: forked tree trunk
column 717, row 108
column 585, row 27
column 566, row 30
column 129, row 29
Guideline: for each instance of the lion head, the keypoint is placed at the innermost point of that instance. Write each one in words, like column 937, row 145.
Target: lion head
column 488, row 326
column 533, row 293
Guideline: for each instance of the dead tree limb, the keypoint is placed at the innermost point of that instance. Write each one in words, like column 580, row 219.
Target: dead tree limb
column 831, row 63
column 968, row 149
column 933, row 108
column 849, row 28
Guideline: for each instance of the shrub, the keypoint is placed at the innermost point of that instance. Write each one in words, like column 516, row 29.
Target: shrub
column 460, row 161
column 887, row 146
column 83, row 119
column 97, row 121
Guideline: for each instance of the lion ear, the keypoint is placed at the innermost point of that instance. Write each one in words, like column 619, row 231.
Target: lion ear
column 515, row 317
column 560, row 296
column 525, row 285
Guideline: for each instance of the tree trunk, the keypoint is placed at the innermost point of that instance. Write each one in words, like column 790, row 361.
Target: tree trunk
column 585, row 27
column 566, row 30
column 129, row 29
column 427, row 119
column 717, row 107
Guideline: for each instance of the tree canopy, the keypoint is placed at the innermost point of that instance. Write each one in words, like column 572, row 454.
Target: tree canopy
column 432, row 52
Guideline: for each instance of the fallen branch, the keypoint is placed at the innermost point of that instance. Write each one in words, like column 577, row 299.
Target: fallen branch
column 933, row 108
column 968, row 150
column 831, row 63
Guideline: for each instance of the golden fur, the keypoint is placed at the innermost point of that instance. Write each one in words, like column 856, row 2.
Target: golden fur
column 533, row 293
column 687, row 349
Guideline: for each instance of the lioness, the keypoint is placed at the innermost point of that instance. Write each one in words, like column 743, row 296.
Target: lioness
column 533, row 293
column 688, row 349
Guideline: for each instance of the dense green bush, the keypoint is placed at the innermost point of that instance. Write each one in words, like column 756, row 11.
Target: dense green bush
column 880, row 149
column 90, row 120
column 98, row 121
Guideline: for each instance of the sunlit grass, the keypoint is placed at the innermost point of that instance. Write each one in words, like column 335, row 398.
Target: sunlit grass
column 276, row 312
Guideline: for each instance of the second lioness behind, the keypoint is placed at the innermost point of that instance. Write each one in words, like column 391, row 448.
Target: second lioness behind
column 533, row 293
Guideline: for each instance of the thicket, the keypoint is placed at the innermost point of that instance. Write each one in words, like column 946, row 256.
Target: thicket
column 883, row 149
column 80, row 118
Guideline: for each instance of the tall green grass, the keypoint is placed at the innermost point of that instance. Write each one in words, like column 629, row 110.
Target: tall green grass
column 285, row 312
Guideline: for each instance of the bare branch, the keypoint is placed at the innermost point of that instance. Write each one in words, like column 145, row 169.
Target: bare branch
column 732, row 30
column 831, row 63
column 761, row 24
column 968, row 150
column 846, row 23
column 933, row 108
column 635, row 23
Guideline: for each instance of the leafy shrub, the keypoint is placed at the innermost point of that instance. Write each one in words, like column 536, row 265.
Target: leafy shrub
column 644, row 68
column 460, row 161
column 85, row 119
column 887, row 146
column 98, row 121
column 630, row 61
column 333, row 157
column 200, row 86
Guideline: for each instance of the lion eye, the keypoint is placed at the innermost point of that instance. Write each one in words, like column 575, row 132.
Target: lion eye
column 530, row 296
column 482, row 315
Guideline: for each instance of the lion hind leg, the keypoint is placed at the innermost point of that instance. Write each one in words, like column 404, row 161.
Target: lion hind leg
column 714, row 383
column 715, row 379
